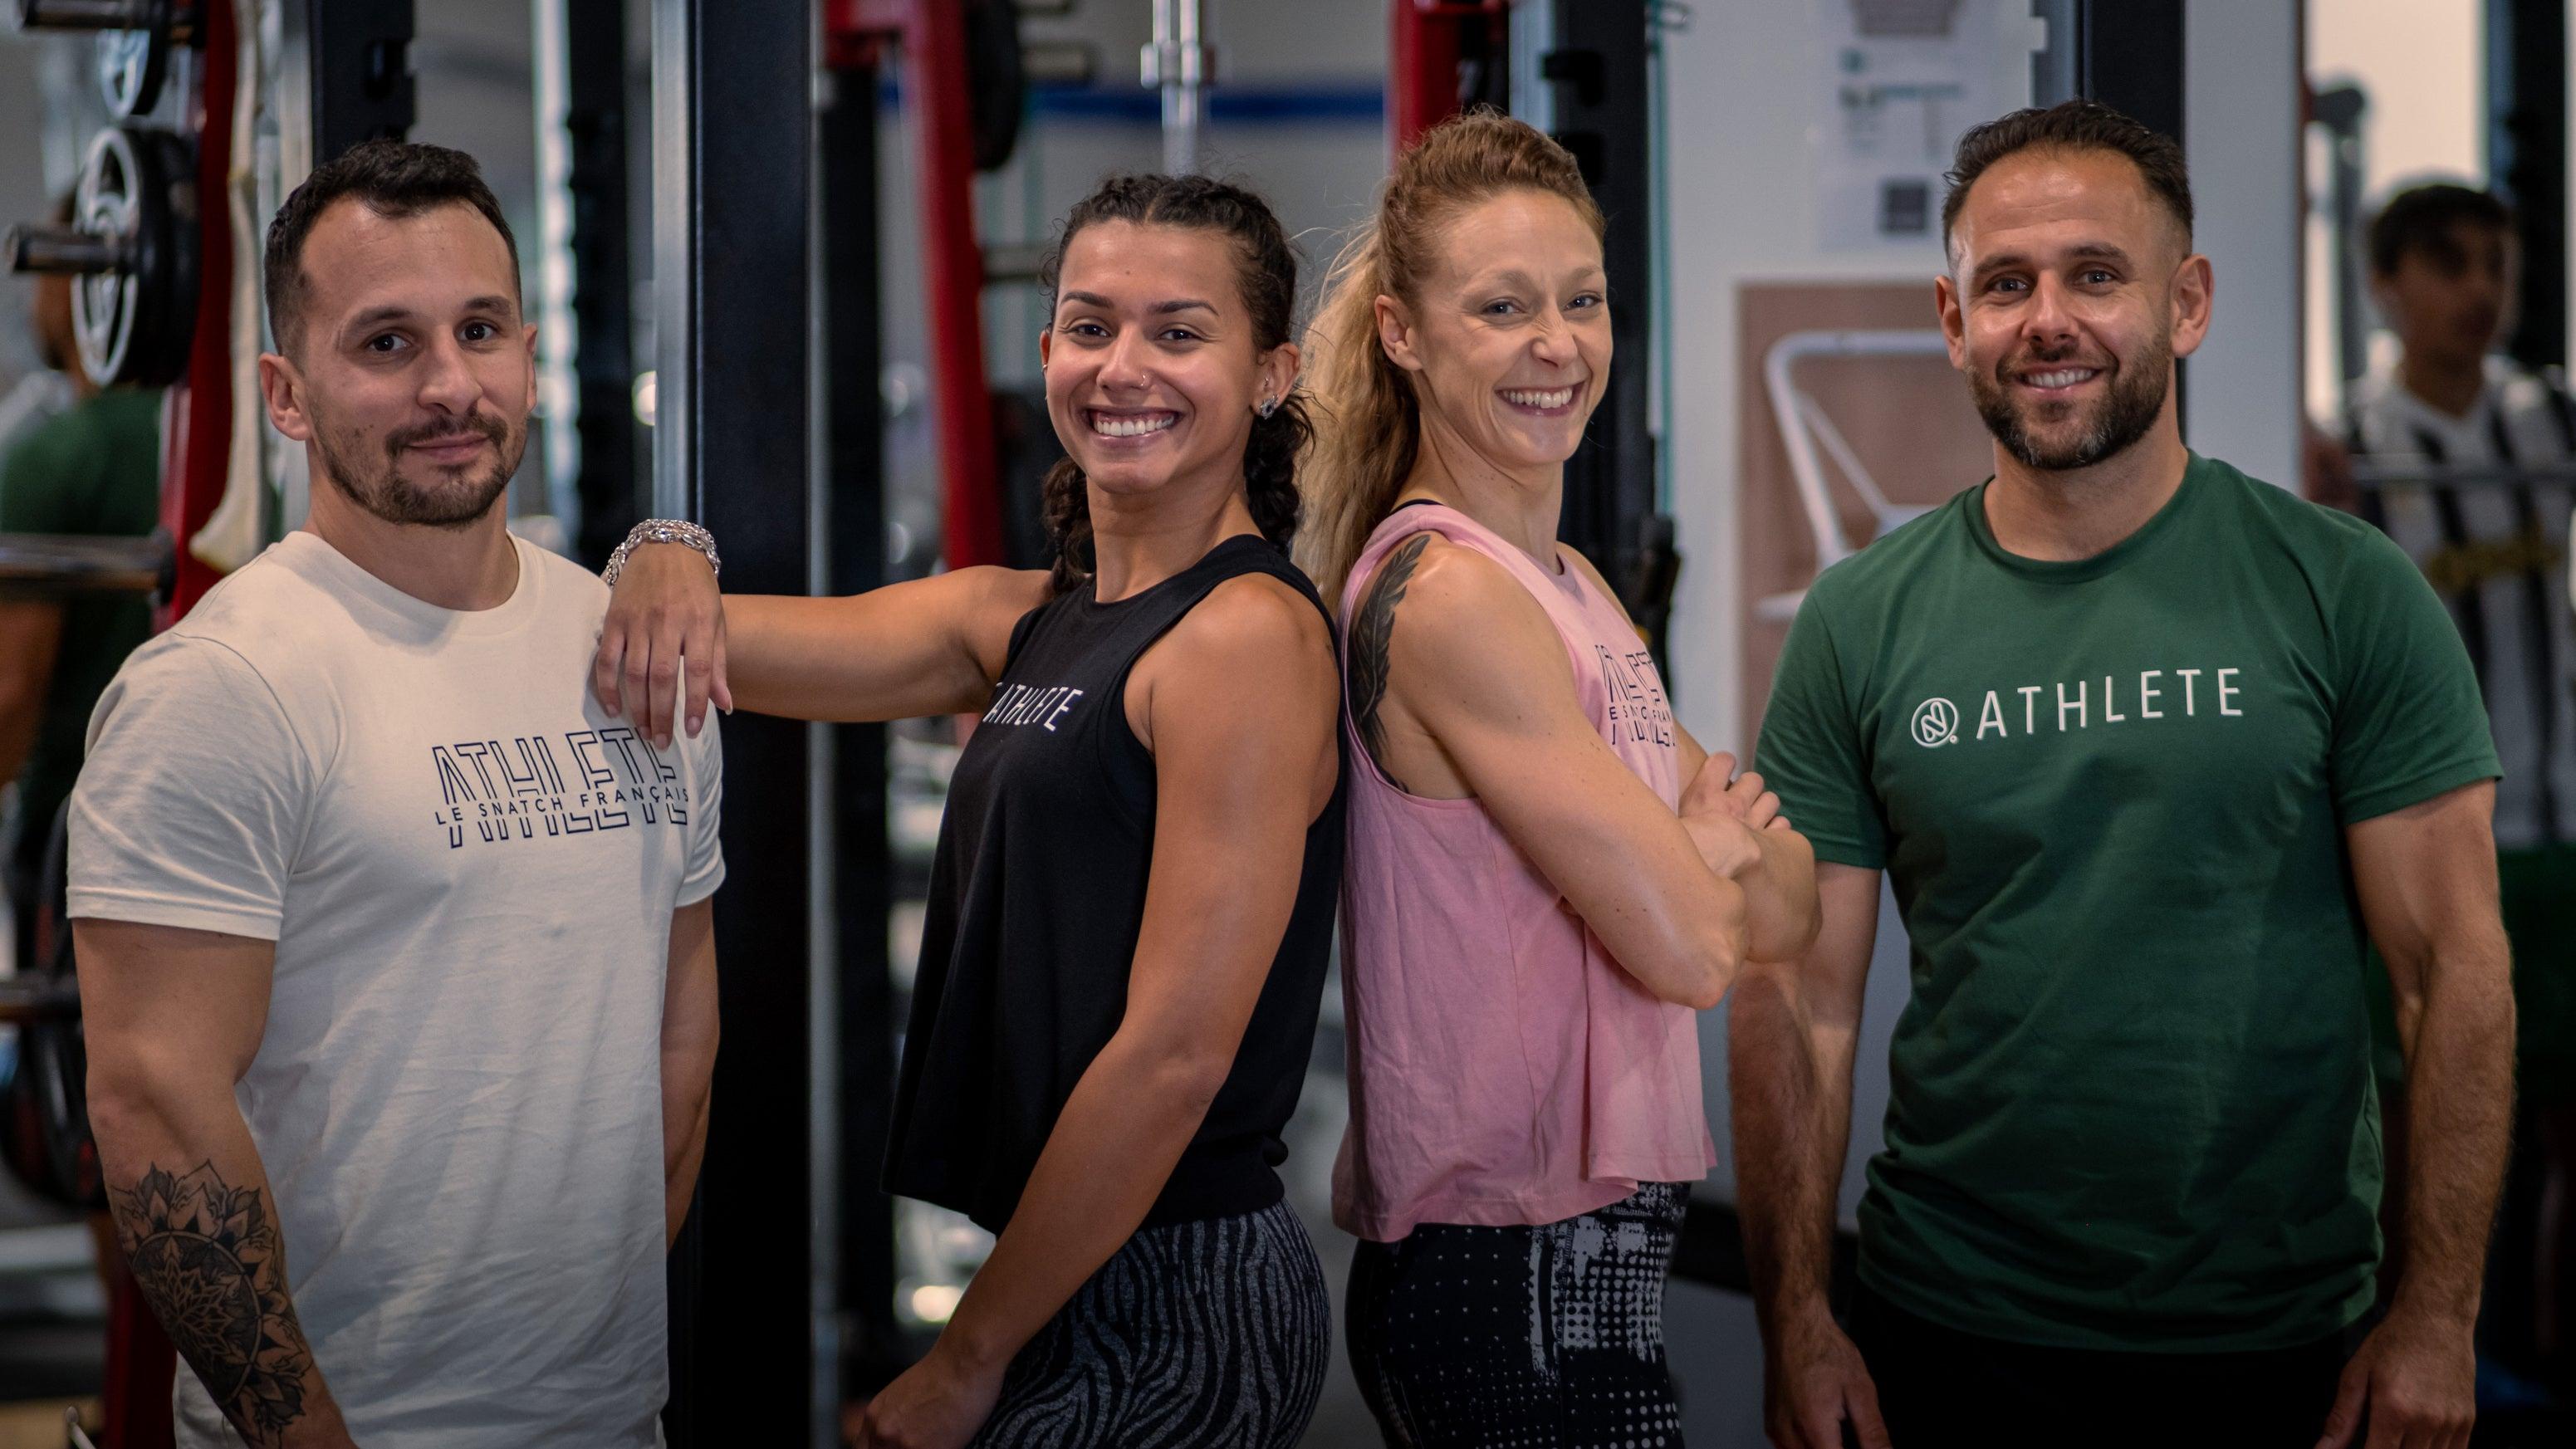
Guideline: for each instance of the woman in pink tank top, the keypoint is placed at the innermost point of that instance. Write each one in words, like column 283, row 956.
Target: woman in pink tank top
column 1548, row 878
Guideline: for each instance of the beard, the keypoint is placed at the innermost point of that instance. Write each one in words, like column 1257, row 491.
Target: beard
column 388, row 495
column 2126, row 410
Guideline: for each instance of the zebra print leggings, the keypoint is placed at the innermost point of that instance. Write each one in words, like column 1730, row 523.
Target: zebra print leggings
column 1205, row 1335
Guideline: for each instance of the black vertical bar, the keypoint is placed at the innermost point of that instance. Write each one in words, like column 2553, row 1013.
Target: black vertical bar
column 1598, row 73
column 742, row 464
column 608, row 485
column 2129, row 56
column 2130, row 59
column 361, row 72
column 846, row 163
column 2527, row 162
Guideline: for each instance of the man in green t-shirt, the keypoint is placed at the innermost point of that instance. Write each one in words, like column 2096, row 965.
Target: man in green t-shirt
column 2152, row 753
column 94, row 468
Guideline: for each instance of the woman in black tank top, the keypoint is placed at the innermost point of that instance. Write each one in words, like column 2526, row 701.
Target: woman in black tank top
column 1132, row 901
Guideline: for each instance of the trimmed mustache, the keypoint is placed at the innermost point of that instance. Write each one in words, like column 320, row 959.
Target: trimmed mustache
column 491, row 430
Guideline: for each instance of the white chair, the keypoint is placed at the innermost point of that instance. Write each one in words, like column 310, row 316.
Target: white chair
column 1804, row 425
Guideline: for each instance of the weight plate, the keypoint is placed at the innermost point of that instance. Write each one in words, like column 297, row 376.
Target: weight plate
column 44, row 1102
column 134, row 322
column 108, row 203
column 132, row 64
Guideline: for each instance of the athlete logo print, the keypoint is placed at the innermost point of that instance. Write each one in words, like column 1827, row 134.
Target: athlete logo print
column 1936, row 723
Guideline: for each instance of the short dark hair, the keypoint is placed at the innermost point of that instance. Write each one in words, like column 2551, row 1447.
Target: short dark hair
column 2420, row 218
column 2077, row 125
column 393, row 179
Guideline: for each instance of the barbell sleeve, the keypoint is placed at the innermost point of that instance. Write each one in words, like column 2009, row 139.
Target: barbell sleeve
column 86, row 14
column 62, row 250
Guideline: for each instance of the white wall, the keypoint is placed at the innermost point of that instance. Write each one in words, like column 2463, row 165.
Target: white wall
column 2242, row 395
column 2419, row 62
column 1741, row 99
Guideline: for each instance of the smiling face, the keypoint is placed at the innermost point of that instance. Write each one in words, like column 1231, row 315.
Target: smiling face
column 2070, row 295
column 1153, row 370
column 411, row 376
column 1508, row 343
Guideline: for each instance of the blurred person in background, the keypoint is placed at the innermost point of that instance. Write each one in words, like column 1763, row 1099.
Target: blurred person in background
column 2444, row 272
column 92, row 468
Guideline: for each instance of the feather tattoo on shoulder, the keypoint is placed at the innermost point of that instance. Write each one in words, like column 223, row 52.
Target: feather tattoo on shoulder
column 1371, row 633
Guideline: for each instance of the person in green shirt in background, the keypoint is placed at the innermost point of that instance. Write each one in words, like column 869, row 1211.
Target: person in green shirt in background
column 2152, row 754
column 94, row 468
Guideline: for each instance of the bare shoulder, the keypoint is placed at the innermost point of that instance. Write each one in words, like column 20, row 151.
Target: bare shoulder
column 1441, row 603
column 992, row 589
column 1253, row 620
column 1251, row 663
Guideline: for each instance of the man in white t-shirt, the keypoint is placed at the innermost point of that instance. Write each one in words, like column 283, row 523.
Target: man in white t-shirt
column 394, row 950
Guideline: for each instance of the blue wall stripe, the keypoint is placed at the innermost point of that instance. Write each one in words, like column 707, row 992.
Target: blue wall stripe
column 1327, row 104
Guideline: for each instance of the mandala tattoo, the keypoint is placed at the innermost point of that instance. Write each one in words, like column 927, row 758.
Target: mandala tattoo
column 1371, row 632
column 208, row 1259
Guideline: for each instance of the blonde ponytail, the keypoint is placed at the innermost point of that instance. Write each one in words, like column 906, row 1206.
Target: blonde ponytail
column 1366, row 421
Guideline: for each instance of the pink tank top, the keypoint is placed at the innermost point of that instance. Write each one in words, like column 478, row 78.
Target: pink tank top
column 1504, row 1069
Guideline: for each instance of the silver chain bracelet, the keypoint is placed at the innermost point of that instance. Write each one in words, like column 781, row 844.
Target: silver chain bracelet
column 661, row 530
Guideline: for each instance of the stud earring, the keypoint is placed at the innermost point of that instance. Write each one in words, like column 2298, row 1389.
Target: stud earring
column 1268, row 406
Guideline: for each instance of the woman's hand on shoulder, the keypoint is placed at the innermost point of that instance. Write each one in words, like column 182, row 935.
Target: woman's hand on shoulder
column 662, row 647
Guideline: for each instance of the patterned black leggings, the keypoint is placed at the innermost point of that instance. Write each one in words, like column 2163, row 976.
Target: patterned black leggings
column 1548, row 1337
column 1206, row 1335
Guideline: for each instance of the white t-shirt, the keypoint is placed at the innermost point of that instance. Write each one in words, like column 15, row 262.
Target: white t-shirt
column 469, row 872
column 2498, row 556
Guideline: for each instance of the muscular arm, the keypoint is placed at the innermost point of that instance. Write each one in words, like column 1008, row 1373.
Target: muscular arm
column 30, row 633
column 688, row 1058
column 2427, row 881
column 1239, row 774
column 1778, row 876
column 1791, row 1034
column 1455, row 670
column 926, row 647
column 173, row 1018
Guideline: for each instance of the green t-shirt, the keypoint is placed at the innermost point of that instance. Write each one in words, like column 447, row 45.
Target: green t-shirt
column 94, row 469
column 2131, row 1096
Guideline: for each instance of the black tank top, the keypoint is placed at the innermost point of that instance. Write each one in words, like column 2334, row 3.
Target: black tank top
column 1037, row 896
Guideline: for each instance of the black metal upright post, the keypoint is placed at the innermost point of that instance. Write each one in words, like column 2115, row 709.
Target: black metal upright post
column 1597, row 71
column 2127, row 54
column 2526, row 43
column 733, row 141
column 863, row 867
column 361, row 72
column 603, row 296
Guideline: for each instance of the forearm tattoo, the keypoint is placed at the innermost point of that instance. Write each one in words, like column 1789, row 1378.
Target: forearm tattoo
column 1371, row 632
column 209, row 1260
